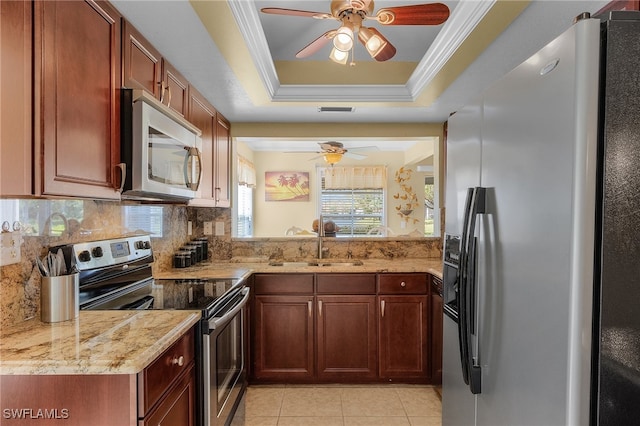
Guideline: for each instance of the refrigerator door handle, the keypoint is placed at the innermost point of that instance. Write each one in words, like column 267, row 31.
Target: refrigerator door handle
column 462, row 288
column 468, row 295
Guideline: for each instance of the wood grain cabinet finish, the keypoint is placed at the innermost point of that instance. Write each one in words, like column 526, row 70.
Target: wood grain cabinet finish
column 283, row 338
column 204, row 116
column 154, row 380
column 77, row 113
column 346, row 338
column 174, row 89
column 16, row 136
column 178, row 406
column 404, row 337
column 166, row 388
column 141, row 62
column 350, row 328
column 436, row 331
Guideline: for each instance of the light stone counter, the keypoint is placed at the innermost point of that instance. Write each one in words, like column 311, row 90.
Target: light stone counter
column 237, row 268
column 97, row 342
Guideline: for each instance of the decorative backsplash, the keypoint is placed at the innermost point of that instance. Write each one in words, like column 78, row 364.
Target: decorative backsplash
column 48, row 223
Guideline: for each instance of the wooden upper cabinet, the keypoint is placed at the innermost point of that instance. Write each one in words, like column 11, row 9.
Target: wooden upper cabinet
column 222, row 159
column 16, row 136
column 203, row 116
column 174, row 89
column 142, row 63
column 77, row 100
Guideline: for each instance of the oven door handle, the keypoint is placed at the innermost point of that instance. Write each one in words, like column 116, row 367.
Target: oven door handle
column 218, row 322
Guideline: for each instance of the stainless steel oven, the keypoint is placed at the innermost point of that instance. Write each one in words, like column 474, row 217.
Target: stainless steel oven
column 224, row 360
column 221, row 365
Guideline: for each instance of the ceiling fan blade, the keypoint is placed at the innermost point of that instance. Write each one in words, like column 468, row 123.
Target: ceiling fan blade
column 419, row 14
column 354, row 155
column 294, row 12
column 365, row 148
column 316, row 44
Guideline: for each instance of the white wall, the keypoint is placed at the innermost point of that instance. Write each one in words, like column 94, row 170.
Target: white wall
column 273, row 218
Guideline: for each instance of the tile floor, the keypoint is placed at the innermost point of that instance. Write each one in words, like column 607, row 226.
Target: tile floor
column 333, row 405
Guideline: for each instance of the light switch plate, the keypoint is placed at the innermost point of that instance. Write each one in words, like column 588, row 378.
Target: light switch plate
column 219, row 228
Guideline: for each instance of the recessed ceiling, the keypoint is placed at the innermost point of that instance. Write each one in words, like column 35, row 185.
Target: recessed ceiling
column 209, row 42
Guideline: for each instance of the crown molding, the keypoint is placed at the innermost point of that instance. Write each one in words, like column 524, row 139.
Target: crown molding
column 464, row 18
column 248, row 20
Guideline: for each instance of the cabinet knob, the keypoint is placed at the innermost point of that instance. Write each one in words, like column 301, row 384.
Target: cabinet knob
column 178, row 360
column 403, row 284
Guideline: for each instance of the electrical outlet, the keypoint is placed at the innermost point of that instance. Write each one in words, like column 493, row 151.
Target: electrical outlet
column 208, row 228
column 189, row 228
column 219, row 228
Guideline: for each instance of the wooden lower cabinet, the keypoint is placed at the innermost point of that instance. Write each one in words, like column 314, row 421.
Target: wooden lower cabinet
column 404, row 334
column 283, row 340
column 177, row 408
column 436, row 331
column 346, row 337
column 347, row 328
column 163, row 393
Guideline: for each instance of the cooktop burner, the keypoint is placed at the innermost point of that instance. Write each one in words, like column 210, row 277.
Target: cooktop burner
column 197, row 294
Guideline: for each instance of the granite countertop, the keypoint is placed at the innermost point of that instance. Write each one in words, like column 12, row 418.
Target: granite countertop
column 97, row 342
column 243, row 267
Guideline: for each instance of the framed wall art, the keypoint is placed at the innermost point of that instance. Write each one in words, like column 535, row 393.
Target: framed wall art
column 286, row 186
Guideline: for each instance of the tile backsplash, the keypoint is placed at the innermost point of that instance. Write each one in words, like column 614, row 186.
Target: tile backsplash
column 48, row 223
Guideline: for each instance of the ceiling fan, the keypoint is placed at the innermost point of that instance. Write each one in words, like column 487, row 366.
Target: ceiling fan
column 332, row 152
column 351, row 14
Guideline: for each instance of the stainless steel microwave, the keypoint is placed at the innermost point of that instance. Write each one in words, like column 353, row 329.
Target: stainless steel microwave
column 160, row 149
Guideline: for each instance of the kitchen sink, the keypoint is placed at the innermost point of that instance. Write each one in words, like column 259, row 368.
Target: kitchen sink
column 318, row 262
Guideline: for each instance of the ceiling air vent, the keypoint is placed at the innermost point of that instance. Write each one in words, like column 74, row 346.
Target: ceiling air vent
column 336, row 109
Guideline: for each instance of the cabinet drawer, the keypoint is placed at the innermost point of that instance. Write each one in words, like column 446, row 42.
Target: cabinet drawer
column 154, row 380
column 402, row 283
column 346, row 283
column 283, row 284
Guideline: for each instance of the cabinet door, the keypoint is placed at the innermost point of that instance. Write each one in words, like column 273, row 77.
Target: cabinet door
column 436, row 338
column 141, row 62
column 283, row 338
column 16, row 137
column 222, row 159
column 347, row 348
column 178, row 406
column 174, row 90
column 77, row 51
column 404, row 333
column 202, row 115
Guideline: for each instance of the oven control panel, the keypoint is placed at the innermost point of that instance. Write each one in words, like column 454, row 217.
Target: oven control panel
column 104, row 253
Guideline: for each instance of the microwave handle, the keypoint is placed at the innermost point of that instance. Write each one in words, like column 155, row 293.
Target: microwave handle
column 123, row 176
column 194, row 153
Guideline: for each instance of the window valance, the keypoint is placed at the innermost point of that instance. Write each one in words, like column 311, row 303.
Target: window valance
column 366, row 177
column 246, row 172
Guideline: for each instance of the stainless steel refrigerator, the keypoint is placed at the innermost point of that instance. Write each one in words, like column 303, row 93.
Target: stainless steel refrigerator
column 542, row 242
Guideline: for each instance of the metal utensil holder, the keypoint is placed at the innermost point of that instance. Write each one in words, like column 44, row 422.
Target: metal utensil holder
column 59, row 298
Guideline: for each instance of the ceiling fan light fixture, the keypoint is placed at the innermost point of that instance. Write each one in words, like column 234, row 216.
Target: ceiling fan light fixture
column 332, row 157
column 372, row 40
column 339, row 56
column 343, row 39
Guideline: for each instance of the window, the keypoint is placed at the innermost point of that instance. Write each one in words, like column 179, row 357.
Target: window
column 144, row 218
column 246, row 183
column 429, row 206
column 244, row 225
column 356, row 209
